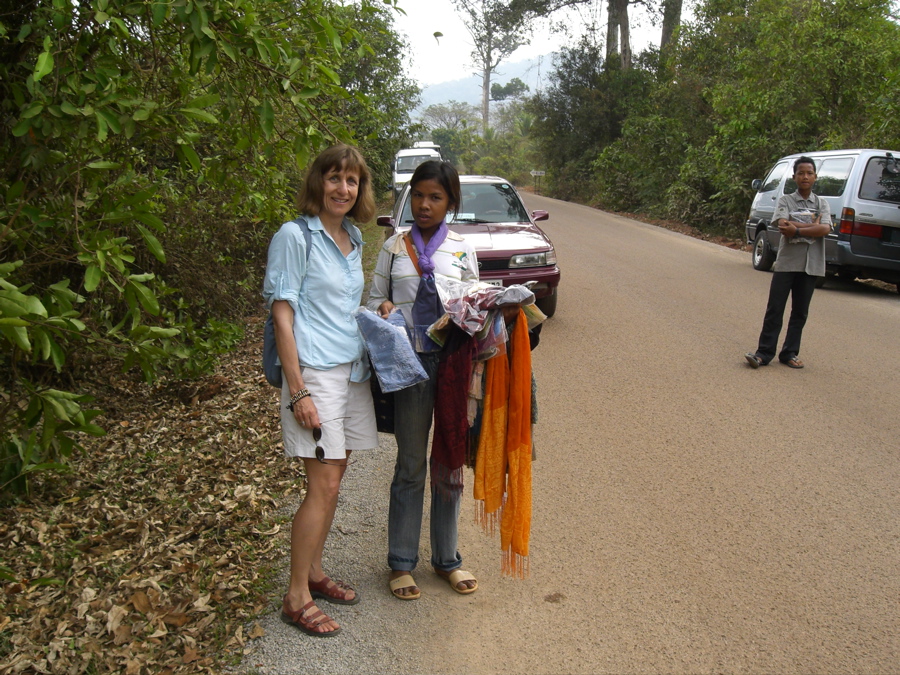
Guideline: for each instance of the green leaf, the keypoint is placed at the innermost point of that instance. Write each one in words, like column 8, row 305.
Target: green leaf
column 267, row 118
column 91, row 278
column 204, row 101
column 111, row 119
column 153, row 244
column 191, row 156
column 34, row 109
column 104, row 165
column 146, row 297
column 18, row 336
column 152, row 220
column 200, row 115
column 101, row 17
column 159, row 10
column 14, row 303
column 44, row 65
column 308, row 92
column 102, row 129
column 328, row 72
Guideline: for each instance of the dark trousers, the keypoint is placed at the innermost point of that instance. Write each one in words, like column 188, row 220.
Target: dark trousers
column 800, row 286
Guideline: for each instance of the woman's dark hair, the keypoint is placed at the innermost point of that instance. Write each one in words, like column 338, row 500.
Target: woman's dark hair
column 445, row 174
column 337, row 158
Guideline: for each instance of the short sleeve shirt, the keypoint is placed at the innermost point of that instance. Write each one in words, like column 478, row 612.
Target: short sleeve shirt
column 323, row 291
column 802, row 254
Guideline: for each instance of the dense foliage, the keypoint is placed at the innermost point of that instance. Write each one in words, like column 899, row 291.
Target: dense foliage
column 146, row 150
column 745, row 83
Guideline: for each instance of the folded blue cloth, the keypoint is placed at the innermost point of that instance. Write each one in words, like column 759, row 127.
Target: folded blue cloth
column 395, row 362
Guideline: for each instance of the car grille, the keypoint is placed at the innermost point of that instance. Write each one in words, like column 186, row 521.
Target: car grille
column 493, row 264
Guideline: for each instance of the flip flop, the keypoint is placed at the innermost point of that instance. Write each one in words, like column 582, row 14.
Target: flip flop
column 406, row 581
column 461, row 575
column 793, row 362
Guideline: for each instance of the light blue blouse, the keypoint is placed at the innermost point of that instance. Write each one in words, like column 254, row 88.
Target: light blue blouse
column 323, row 292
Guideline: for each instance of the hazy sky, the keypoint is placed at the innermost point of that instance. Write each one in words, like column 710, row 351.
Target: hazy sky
column 449, row 58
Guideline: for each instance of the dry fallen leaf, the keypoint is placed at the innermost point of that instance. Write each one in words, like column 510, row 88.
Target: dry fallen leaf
column 256, row 632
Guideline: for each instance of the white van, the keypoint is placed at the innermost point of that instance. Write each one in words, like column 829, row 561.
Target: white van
column 863, row 189
column 406, row 161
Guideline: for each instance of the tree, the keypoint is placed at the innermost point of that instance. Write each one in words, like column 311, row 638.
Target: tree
column 452, row 115
column 497, row 31
column 671, row 19
column 513, row 89
column 142, row 145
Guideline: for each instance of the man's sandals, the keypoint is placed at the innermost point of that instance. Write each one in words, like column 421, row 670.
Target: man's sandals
column 401, row 582
column 453, row 578
column 308, row 619
column 456, row 576
column 333, row 590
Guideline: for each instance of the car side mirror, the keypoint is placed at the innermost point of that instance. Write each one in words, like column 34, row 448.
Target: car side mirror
column 756, row 184
column 385, row 221
column 539, row 215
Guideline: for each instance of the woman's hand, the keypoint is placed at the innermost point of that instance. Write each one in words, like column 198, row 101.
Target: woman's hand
column 306, row 414
column 385, row 308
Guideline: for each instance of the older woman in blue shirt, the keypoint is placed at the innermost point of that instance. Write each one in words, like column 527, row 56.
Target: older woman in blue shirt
column 326, row 404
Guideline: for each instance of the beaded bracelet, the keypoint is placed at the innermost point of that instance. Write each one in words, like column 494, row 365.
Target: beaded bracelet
column 303, row 393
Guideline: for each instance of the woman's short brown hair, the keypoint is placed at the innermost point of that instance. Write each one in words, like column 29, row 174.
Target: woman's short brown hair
column 311, row 197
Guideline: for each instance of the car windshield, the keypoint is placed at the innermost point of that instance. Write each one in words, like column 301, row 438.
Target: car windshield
column 409, row 164
column 483, row 203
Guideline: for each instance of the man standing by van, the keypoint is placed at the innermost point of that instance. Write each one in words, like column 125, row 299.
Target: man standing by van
column 803, row 218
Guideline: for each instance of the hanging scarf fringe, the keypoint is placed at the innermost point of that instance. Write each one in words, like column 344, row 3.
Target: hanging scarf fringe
column 515, row 565
column 503, row 463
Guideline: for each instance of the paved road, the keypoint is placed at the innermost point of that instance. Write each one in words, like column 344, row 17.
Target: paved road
column 690, row 515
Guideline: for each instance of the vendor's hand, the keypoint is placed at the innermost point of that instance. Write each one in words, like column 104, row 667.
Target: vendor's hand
column 787, row 228
column 385, row 308
column 306, row 414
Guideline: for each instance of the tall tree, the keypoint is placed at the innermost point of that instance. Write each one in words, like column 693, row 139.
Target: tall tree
column 671, row 19
column 497, row 31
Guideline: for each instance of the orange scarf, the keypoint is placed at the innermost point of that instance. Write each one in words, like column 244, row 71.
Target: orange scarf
column 503, row 465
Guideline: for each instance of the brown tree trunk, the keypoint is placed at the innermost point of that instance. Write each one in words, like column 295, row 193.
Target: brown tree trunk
column 612, row 28
column 671, row 21
column 625, row 35
column 485, row 100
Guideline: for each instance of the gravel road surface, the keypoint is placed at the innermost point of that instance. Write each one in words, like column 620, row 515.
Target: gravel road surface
column 691, row 515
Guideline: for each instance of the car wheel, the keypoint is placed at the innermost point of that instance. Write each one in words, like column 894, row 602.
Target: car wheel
column 548, row 304
column 763, row 255
column 846, row 275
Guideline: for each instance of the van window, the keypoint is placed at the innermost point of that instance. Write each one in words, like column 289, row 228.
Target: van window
column 881, row 181
column 832, row 176
column 774, row 177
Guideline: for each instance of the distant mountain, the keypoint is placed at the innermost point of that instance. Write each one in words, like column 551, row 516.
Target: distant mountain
column 532, row 72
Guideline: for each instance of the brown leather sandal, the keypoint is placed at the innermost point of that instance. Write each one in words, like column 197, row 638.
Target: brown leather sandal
column 307, row 620
column 333, row 590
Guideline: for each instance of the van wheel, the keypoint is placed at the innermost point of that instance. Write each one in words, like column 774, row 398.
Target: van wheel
column 763, row 255
column 548, row 304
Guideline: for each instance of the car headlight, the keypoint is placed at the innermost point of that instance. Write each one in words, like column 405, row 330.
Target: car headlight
column 541, row 259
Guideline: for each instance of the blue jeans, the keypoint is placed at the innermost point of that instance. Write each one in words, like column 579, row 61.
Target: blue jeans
column 414, row 407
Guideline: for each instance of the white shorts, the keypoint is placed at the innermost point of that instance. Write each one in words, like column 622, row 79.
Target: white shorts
column 345, row 412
